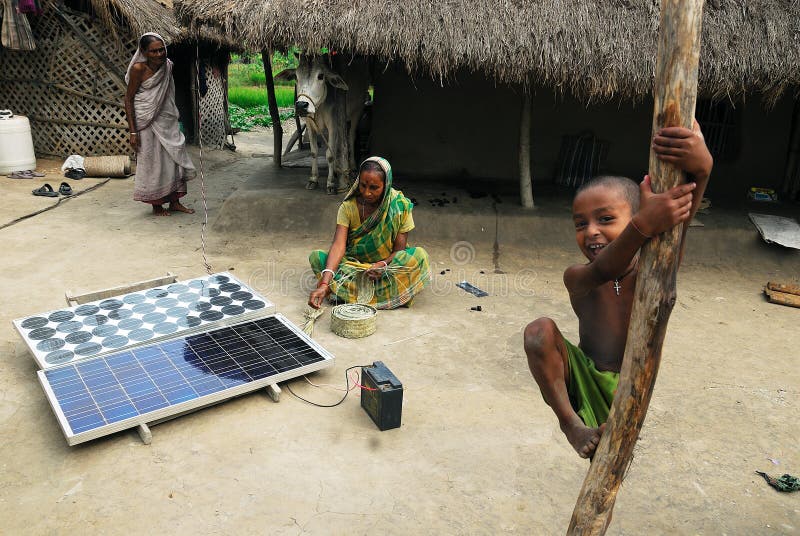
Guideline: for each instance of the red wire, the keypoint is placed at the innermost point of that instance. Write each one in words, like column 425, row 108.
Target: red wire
column 364, row 387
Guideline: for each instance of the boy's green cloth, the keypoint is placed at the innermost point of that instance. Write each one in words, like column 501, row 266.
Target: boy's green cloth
column 590, row 391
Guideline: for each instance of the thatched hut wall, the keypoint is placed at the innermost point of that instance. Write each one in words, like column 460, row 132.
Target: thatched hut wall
column 72, row 86
column 468, row 131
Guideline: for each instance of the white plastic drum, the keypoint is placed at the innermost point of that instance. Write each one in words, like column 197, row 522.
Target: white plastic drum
column 16, row 144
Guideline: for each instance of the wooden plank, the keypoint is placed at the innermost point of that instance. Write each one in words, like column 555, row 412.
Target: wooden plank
column 674, row 93
column 782, row 287
column 782, row 298
column 79, row 299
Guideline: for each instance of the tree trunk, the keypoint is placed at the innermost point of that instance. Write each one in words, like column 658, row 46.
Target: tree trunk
column 675, row 93
column 277, row 129
column 525, row 189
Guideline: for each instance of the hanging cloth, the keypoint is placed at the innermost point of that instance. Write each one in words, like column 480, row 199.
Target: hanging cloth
column 16, row 33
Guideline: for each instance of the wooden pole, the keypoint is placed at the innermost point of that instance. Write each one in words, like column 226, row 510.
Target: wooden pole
column 791, row 176
column 277, row 129
column 674, row 93
column 525, row 188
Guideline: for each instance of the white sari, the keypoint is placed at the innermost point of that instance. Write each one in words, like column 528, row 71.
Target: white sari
column 162, row 164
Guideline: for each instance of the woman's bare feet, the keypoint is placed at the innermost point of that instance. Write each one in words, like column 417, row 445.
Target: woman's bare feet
column 175, row 206
column 158, row 210
column 582, row 438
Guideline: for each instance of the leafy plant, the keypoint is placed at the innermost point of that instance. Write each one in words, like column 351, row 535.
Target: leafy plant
column 248, row 118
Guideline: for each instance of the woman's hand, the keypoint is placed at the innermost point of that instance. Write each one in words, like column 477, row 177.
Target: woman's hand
column 135, row 141
column 377, row 270
column 318, row 295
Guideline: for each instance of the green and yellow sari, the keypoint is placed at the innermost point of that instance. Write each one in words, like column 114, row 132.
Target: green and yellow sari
column 372, row 241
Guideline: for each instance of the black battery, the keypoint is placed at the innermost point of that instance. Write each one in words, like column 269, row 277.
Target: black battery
column 383, row 397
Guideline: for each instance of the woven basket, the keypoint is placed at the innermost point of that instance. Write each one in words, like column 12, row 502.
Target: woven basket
column 107, row 166
column 354, row 320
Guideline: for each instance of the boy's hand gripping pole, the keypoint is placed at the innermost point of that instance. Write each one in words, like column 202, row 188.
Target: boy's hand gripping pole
column 675, row 93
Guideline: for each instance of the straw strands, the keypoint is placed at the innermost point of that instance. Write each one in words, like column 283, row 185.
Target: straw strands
column 596, row 50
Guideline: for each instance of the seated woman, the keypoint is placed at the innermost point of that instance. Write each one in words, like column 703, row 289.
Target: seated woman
column 372, row 228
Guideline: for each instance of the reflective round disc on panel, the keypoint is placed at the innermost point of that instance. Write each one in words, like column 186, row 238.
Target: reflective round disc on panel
column 154, row 318
column 166, row 303
column 34, row 322
column 130, row 323
column 120, row 314
column 88, row 348
column 95, row 320
column 241, row 295
column 115, row 341
column 133, row 299
column 221, row 301
column 156, row 293
column 177, row 312
column 39, row 334
column 140, row 334
column 200, row 306
column 189, row 322
column 233, row 310
column 254, row 304
column 111, row 304
column 69, row 326
column 177, row 288
column 61, row 316
column 219, row 279
column 104, row 331
column 229, row 287
column 59, row 356
column 210, row 316
column 144, row 308
column 48, row 345
column 78, row 337
column 165, row 327
column 85, row 310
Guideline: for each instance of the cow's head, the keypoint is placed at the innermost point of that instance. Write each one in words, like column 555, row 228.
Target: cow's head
column 313, row 76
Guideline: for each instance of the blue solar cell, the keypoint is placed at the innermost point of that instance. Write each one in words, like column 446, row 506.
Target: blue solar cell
column 98, row 392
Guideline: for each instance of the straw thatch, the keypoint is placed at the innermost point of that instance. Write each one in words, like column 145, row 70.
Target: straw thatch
column 595, row 50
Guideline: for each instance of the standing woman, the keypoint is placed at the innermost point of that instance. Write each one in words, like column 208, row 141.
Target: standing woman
column 371, row 236
column 162, row 165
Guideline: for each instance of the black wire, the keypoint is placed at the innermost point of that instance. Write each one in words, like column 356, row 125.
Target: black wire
column 346, row 386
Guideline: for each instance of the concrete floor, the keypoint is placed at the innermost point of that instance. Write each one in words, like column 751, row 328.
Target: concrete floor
column 478, row 453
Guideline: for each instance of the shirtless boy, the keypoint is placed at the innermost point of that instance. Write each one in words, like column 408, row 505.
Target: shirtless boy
column 613, row 218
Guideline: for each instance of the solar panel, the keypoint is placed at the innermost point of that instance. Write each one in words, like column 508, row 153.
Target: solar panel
column 137, row 318
column 102, row 395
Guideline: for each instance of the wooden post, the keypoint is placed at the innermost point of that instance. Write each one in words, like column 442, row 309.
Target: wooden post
column 277, row 128
column 525, row 189
column 791, row 176
column 675, row 95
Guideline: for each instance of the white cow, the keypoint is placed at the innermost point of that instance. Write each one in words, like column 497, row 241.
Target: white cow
column 314, row 76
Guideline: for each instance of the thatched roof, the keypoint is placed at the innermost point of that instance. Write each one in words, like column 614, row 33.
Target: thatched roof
column 140, row 16
column 594, row 49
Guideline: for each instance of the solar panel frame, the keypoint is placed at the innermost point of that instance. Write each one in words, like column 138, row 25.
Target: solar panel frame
column 180, row 408
column 54, row 326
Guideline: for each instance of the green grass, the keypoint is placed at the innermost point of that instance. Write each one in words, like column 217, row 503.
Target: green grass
column 247, row 92
column 251, row 96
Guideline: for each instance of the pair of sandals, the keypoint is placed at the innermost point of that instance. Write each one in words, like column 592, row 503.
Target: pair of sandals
column 26, row 174
column 47, row 191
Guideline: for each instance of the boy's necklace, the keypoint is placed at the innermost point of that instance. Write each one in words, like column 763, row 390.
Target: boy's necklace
column 617, row 286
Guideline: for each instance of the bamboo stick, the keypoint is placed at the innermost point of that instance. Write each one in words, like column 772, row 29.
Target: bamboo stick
column 277, row 128
column 675, row 93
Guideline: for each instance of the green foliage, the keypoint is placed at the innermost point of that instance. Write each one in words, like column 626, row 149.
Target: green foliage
column 248, row 97
column 248, row 118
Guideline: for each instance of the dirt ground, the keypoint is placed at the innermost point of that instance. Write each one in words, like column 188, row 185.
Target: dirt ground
column 478, row 452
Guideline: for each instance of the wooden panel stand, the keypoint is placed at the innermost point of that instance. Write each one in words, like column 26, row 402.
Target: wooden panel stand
column 80, row 299
column 674, row 93
column 145, row 434
column 274, row 392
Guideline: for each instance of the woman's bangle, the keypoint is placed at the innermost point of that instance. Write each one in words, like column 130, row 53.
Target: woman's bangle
column 385, row 264
column 134, row 133
column 323, row 283
column 639, row 230
column 327, row 270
